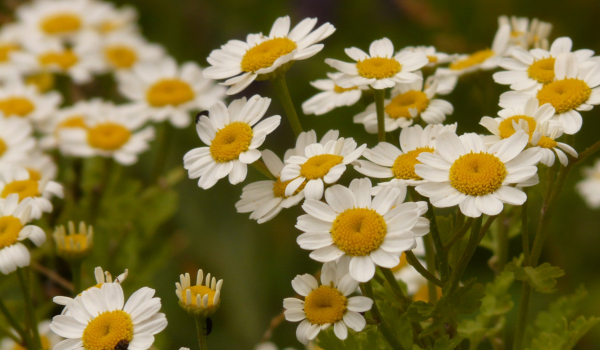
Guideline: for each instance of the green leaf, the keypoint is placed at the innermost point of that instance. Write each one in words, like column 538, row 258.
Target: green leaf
column 369, row 339
column 464, row 301
column 445, row 225
column 497, row 300
column 542, row 278
column 566, row 337
column 446, row 343
column 563, row 307
column 399, row 322
column 419, row 311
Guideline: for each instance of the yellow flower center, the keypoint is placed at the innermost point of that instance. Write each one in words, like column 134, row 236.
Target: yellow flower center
column 169, row 92
column 65, row 59
column 120, row 56
column 61, row 23
column 10, row 227
column 358, row 231
column 325, row 305
column 378, row 67
column 111, row 330
column 3, row 147
column 43, row 339
column 506, row 126
column 19, row 106
column 542, row 70
column 202, row 291
column 108, row 26
column 404, row 165
column 43, row 81
column 477, row 174
column 24, row 188
column 472, row 60
column 340, row 89
column 400, row 105
column 34, row 174
column 75, row 121
column 432, row 59
column 546, row 142
column 231, row 141
column 108, row 136
column 516, row 33
column 75, row 242
column 317, row 167
column 6, row 49
column 564, row 95
column 403, row 263
column 279, row 188
column 264, row 54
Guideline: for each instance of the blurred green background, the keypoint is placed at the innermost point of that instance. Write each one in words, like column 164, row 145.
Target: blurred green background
column 258, row 262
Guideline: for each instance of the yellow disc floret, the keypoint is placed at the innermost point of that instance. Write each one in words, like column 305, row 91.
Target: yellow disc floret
column 472, row 60
column 317, row 167
column 542, row 70
column 325, row 305
column 378, row 67
column 279, row 188
column 432, row 59
column 3, row 147
column 63, row 59
column 507, row 129
column 43, row 81
column 201, row 291
column 564, row 95
column 19, row 106
column 358, row 231
column 339, row 89
column 477, row 174
column 169, row 92
column 10, row 227
column 61, row 23
column 120, row 56
column 266, row 53
column 24, row 188
column 404, row 165
column 34, row 174
column 108, row 136
column 111, row 330
column 546, row 142
column 75, row 121
column 231, row 141
column 6, row 49
column 400, row 105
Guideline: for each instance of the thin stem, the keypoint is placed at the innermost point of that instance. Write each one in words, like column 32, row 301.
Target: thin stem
column 76, row 274
column 460, row 234
column 100, row 190
column 464, row 260
column 524, row 228
column 442, row 255
column 501, row 244
column 12, row 321
column 53, row 276
column 522, row 318
column 262, row 168
column 486, row 226
column 389, row 276
column 588, row 152
column 430, row 260
column 165, row 134
column 412, row 259
column 202, row 331
column 30, row 318
column 283, row 94
column 383, row 327
column 379, row 95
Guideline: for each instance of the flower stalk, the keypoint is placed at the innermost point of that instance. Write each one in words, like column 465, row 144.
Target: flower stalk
column 383, row 327
column 202, row 332
column 30, row 318
column 283, row 94
column 379, row 95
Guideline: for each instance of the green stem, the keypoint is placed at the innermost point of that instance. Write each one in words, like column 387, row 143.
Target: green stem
column 165, row 134
column 12, row 321
column 442, row 255
column 430, row 260
column 389, row 276
column 522, row 318
column 202, row 331
column 588, row 152
column 76, row 274
column 262, row 168
column 414, row 262
column 486, row 226
column 100, row 190
column 464, row 260
column 501, row 244
column 283, row 94
column 460, row 234
column 31, row 321
column 379, row 95
column 524, row 228
column 383, row 327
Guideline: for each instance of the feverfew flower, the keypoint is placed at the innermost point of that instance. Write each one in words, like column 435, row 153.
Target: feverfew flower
column 326, row 305
column 10, row 42
column 165, row 91
column 199, row 299
column 260, row 56
column 361, row 230
column 589, row 187
column 72, row 117
column 435, row 58
column 544, row 139
column 332, row 96
column 122, row 51
column 16, row 140
column 232, row 136
column 24, row 101
column 463, row 171
column 381, row 69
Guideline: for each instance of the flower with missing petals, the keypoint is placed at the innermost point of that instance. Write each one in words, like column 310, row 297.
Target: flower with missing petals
column 199, row 299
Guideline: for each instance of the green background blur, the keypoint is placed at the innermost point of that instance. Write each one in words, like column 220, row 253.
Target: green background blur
column 258, row 262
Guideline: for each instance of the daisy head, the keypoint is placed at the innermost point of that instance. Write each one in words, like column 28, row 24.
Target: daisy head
column 163, row 90
column 199, row 299
column 71, row 117
column 47, row 338
column 10, row 41
column 262, row 57
column 74, row 244
column 407, row 102
column 232, row 135
column 122, row 51
column 61, row 19
column 463, row 171
column 380, row 69
column 386, row 161
column 333, row 96
column 361, row 230
column 434, row 57
column 325, row 305
column 108, row 19
column 539, row 32
column 16, row 140
column 319, row 165
column 100, row 319
column 544, row 138
column 38, row 165
column 589, row 187
column 24, row 101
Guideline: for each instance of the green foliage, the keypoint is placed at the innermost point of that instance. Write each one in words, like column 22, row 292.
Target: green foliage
column 368, row 339
column 445, row 343
column 542, row 278
column 399, row 322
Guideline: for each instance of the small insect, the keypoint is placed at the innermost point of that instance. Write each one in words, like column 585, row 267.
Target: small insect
column 208, row 326
column 122, row 345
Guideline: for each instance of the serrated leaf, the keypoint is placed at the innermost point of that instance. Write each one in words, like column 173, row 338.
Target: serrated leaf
column 369, row 339
column 563, row 307
column 566, row 337
column 445, row 343
column 542, row 278
column 497, row 301
column 399, row 322
column 419, row 311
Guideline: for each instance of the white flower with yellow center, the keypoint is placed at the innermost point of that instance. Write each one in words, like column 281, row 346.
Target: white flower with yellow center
column 326, row 305
column 58, row 19
column 122, row 51
column 531, row 70
column 16, row 140
column 14, row 217
column 362, row 230
column 519, row 30
column 573, row 89
column 386, row 161
column 10, row 42
column 380, row 69
column 99, row 320
column 26, row 184
column 74, row 245
column 435, row 58
column 115, row 133
column 589, row 187
column 260, row 56
column 407, row 102
column 47, row 338
column 199, row 299
column 463, row 171
column 164, row 90
column 232, row 136
column 109, row 19
column 333, row 96
column 24, row 101
column 544, row 139
column 38, row 165
column 539, row 32
column 71, row 117
column 319, row 165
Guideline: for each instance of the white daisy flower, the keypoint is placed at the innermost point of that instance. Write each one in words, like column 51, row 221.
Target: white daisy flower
column 435, row 58
column 326, row 305
column 99, row 319
column 531, row 70
column 320, row 164
column 257, row 57
column 165, row 91
column 333, row 96
column 10, row 41
column 519, row 30
column 16, row 140
column 463, row 171
column 24, row 101
column 364, row 232
column 544, row 138
column 71, row 117
column 407, row 102
column 386, row 161
column 39, row 165
column 108, row 19
column 573, row 89
column 232, row 136
column 115, row 133
column 14, row 216
column 122, row 51
column 74, row 245
column 380, row 69
column 539, row 32
column 199, row 299
column 589, row 187
column 17, row 180
column 47, row 338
